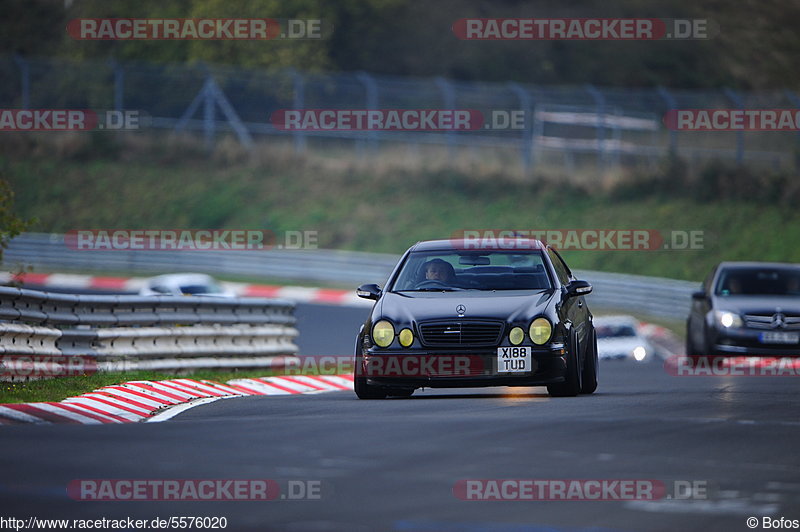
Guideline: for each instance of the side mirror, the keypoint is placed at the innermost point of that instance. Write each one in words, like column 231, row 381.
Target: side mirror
column 369, row 291
column 699, row 295
column 578, row 288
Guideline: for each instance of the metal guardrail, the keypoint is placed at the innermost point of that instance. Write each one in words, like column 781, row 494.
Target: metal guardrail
column 50, row 252
column 136, row 332
column 651, row 296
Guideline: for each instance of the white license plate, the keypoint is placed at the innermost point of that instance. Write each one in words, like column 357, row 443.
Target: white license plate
column 514, row 360
column 779, row 338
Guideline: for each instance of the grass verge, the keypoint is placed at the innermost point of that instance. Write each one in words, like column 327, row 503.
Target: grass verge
column 380, row 206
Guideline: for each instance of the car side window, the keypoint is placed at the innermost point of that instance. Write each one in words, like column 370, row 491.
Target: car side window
column 562, row 271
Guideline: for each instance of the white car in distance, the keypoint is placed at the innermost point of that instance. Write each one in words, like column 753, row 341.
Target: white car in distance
column 618, row 337
column 184, row 284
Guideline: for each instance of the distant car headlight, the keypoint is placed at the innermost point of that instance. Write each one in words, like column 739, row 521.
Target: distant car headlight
column 406, row 337
column 727, row 319
column 516, row 336
column 540, row 331
column 383, row 333
column 639, row 353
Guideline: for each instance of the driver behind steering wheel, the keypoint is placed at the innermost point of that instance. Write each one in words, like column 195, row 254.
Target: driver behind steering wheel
column 441, row 271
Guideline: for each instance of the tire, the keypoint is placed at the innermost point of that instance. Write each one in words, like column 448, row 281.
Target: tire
column 691, row 350
column 366, row 391
column 708, row 346
column 572, row 383
column 590, row 366
column 362, row 388
column 400, row 392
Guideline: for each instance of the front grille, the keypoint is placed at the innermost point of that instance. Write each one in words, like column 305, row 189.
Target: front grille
column 766, row 321
column 460, row 332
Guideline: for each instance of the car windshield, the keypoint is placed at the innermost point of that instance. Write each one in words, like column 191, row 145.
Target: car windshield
column 473, row 270
column 200, row 289
column 759, row 281
column 614, row 331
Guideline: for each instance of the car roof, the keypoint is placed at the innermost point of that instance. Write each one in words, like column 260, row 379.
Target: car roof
column 479, row 244
column 756, row 264
column 182, row 278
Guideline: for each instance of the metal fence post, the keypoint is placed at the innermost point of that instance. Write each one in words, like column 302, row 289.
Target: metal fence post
column 526, row 104
column 737, row 101
column 25, row 80
column 298, row 103
column 449, row 99
column 600, row 105
column 119, row 85
column 209, row 95
column 795, row 99
column 371, row 89
column 209, row 124
column 672, row 104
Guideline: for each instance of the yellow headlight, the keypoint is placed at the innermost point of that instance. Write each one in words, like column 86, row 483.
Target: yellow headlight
column 516, row 336
column 540, row 331
column 383, row 333
column 406, row 337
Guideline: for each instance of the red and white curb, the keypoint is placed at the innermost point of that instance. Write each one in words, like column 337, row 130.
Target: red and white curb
column 328, row 296
column 153, row 401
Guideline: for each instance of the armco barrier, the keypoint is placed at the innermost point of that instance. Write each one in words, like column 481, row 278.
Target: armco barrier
column 650, row 296
column 138, row 332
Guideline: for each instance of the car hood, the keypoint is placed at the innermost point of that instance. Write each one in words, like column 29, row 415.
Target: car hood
column 508, row 305
column 764, row 305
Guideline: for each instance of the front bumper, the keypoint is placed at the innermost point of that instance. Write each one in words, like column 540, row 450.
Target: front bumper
column 462, row 368
column 747, row 342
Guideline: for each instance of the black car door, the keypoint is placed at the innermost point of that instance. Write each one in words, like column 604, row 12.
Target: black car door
column 573, row 309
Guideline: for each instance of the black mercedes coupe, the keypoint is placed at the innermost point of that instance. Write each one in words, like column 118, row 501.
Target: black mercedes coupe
column 467, row 313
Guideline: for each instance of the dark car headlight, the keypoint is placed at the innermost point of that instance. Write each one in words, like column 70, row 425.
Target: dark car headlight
column 540, row 330
column 383, row 333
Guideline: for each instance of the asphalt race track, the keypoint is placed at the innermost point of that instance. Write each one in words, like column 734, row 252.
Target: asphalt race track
column 393, row 464
column 328, row 329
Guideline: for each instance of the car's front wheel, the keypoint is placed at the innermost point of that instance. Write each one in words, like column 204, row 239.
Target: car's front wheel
column 363, row 389
column 691, row 349
column 573, row 377
column 367, row 391
column 590, row 366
